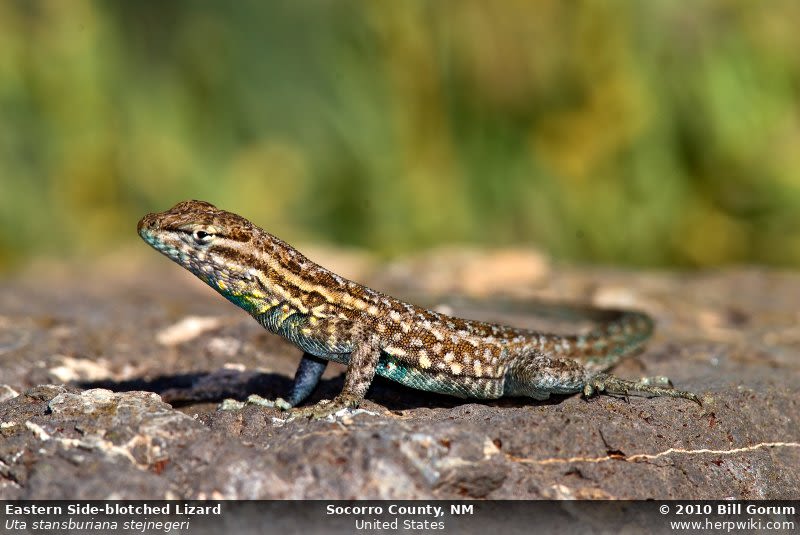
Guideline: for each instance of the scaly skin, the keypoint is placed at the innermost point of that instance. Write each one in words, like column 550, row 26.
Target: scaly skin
column 332, row 318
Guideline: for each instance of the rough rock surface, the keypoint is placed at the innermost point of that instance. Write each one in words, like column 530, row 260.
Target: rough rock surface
column 113, row 378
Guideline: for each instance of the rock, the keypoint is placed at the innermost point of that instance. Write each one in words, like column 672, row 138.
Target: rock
column 732, row 337
column 6, row 393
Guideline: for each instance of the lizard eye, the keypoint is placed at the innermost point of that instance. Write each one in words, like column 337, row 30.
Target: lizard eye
column 201, row 237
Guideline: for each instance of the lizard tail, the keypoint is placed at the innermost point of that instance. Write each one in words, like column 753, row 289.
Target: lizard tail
column 619, row 334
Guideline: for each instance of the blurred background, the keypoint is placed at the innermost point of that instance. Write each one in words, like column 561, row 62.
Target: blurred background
column 650, row 133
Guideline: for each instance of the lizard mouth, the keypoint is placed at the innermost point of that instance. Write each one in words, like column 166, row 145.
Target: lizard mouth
column 148, row 228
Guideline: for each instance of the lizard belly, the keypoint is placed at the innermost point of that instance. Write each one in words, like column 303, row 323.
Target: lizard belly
column 318, row 347
column 293, row 327
column 407, row 374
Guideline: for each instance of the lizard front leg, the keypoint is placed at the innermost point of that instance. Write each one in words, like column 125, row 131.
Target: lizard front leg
column 360, row 372
column 306, row 378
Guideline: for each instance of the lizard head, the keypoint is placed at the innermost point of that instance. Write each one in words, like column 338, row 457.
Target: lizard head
column 209, row 242
column 190, row 229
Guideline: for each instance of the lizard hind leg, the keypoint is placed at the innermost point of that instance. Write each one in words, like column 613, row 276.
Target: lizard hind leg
column 537, row 376
column 648, row 387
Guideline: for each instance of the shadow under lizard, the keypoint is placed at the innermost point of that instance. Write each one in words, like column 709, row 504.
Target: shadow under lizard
column 332, row 318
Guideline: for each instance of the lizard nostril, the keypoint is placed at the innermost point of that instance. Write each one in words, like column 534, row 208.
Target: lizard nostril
column 146, row 222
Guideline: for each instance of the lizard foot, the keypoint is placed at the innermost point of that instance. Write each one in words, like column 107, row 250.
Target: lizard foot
column 326, row 408
column 254, row 399
column 648, row 387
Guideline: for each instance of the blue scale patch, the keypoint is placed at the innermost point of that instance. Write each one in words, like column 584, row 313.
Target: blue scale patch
column 405, row 374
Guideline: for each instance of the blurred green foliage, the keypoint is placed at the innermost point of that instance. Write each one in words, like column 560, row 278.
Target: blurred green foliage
column 648, row 133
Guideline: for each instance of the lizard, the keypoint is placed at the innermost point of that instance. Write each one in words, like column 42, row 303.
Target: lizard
column 331, row 318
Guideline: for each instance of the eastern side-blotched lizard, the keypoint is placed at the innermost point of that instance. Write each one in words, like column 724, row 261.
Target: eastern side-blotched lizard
column 332, row 318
